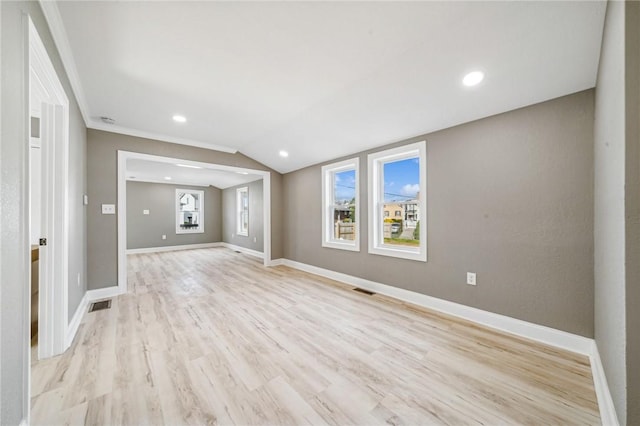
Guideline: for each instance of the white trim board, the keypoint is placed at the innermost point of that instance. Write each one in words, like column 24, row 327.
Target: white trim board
column 608, row 415
column 103, row 293
column 54, row 265
column 539, row 333
column 547, row 335
column 173, row 248
column 59, row 34
column 93, row 124
column 245, row 250
column 61, row 40
column 72, row 329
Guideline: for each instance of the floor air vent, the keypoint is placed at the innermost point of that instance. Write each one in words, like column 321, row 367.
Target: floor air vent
column 363, row 291
column 98, row 306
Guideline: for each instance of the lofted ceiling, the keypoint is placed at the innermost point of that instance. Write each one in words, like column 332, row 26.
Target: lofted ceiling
column 185, row 173
column 320, row 80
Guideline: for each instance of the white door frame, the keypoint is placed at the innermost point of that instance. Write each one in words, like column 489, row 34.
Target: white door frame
column 123, row 156
column 54, row 257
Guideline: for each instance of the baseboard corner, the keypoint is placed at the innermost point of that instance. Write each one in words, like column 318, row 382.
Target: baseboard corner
column 608, row 415
column 103, row 293
column 74, row 324
column 250, row 252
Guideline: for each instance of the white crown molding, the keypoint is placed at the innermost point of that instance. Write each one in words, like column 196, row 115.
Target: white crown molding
column 61, row 40
column 92, row 124
column 59, row 34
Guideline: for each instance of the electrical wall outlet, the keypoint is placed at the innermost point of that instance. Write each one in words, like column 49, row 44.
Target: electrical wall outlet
column 255, row 239
column 78, row 279
column 85, row 199
column 471, row 278
column 108, row 209
column 164, row 237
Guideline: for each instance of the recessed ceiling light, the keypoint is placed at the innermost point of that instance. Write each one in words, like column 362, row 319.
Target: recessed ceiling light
column 188, row 166
column 179, row 118
column 284, row 154
column 167, row 178
column 473, row 78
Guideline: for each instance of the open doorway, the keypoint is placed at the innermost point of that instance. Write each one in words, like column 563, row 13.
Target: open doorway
column 48, row 205
column 231, row 176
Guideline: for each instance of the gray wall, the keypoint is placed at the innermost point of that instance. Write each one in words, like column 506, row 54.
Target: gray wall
column 145, row 231
column 609, row 214
column 509, row 197
column 256, row 218
column 14, row 261
column 632, row 208
column 102, row 148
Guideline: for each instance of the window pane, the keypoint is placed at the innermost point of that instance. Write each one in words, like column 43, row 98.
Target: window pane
column 189, row 211
column 400, row 210
column 344, row 205
column 242, row 211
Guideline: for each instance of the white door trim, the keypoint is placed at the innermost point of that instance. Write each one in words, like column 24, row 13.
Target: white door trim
column 123, row 156
column 53, row 306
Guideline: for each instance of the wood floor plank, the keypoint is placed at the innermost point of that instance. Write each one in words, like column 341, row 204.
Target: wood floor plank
column 211, row 336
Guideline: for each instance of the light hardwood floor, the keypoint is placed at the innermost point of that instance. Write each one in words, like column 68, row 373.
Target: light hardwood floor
column 211, row 336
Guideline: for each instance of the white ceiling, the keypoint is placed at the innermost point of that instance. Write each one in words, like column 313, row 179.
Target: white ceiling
column 156, row 171
column 318, row 79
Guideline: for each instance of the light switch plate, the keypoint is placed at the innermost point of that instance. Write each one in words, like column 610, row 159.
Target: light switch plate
column 145, row 211
column 85, row 199
column 108, row 209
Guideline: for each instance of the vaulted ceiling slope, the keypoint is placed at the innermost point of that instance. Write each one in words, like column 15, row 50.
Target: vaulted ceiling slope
column 319, row 80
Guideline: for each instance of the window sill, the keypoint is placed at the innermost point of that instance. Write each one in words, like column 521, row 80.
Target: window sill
column 401, row 253
column 350, row 246
column 189, row 231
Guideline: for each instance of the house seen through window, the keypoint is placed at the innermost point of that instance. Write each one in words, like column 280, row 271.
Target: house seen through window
column 340, row 205
column 189, row 211
column 397, row 202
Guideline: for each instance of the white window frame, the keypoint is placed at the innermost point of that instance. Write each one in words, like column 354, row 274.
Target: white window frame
column 376, row 162
column 328, row 173
column 239, row 212
column 200, row 228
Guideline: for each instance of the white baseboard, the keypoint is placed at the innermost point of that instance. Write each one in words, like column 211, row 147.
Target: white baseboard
column 173, row 248
column 539, row 333
column 103, row 293
column 72, row 329
column 248, row 251
column 547, row 335
column 608, row 415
